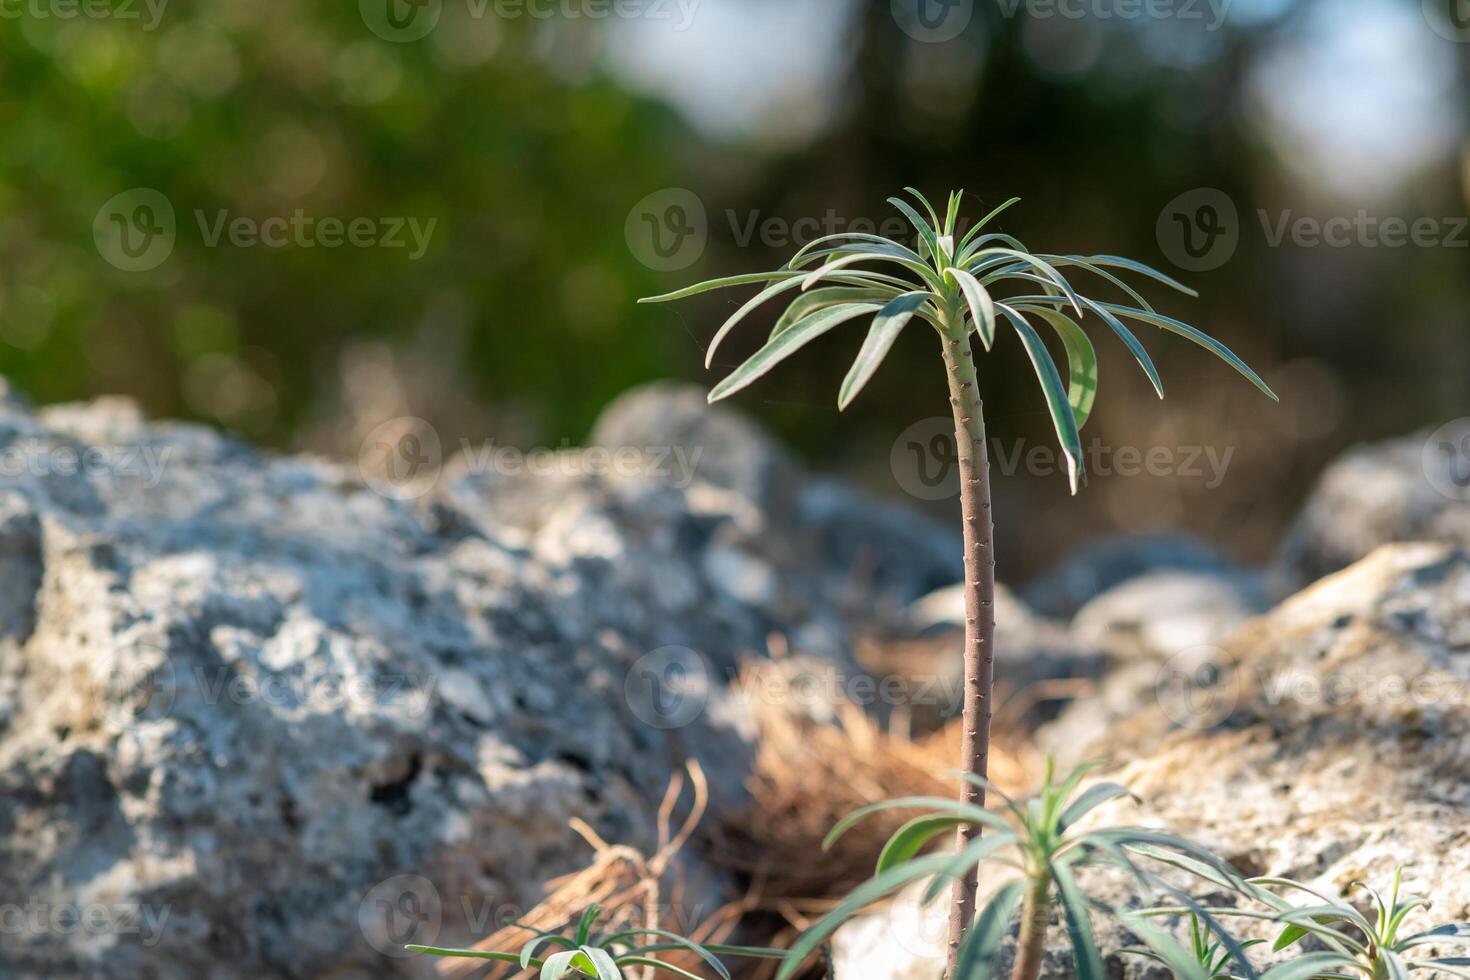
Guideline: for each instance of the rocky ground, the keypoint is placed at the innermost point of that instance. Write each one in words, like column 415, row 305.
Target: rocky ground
column 265, row 716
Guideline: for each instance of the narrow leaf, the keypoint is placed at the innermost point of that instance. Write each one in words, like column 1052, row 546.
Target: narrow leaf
column 790, row 341
column 887, row 325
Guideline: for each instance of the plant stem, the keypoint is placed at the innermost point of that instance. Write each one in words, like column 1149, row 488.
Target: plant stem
column 1033, row 929
column 974, row 467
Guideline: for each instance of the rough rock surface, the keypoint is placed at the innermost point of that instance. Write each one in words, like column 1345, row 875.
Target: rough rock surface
column 1412, row 488
column 1326, row 743
column 258, row 720
column 1082, row 575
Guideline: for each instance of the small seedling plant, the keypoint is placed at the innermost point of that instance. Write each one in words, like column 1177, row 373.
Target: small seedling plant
column 965, row 287
column 1359, row 947
column 1208, row 956
column 623, row 955
column 1037, row 843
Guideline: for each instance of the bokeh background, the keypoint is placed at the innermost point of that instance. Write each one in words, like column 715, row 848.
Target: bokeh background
column 556, row 143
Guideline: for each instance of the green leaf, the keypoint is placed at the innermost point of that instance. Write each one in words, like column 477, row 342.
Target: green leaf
column 1199, row 337
column 927, row 234
column 789, row 342
column 584, row 924
column 1166, row 948
column 1081, row 364
column 982, row 308
column 849, row 258
column 866, row 893
column 973, row 853
column 952, row 218
column 887, row 325
column 1393, row 964
column 1056, row 395
column 818, row 299
column 909, row 839
column 1094, row 797
column 473, row 954
column 559, row 965
column 769, row 292
column 677, row 971
column 1452, row 934
column 603, row 966
column 1308, row 966
column 976, row 957
column 676, row 941
column 1144, row 270
column 1086, row 959
column 1041, row 265
column 705, row 287
column 970, row 812
column 1131, row 342
column 985, row 221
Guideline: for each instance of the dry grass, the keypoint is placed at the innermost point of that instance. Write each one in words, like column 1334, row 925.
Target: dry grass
column 636, row 891
column 807, row 775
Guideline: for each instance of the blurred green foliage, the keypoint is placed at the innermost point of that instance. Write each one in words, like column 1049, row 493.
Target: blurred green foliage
column 525, row 291
column 528, row 148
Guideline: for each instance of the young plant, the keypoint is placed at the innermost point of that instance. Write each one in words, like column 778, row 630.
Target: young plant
column 1358, row 948
column 1038, row 839
column 612, row 956
column 1207, row 953
column 964, row 287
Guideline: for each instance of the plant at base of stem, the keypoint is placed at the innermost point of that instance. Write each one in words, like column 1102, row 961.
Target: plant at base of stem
column 611, row 956
column 1038, row 839
column 1358, row 948
column 963, row 287
column 1208, row 953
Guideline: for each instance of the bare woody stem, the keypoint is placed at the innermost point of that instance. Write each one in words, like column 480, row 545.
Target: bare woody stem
column 974, row 472
column 1033, row 929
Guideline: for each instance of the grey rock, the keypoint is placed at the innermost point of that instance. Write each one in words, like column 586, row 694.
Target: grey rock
column 1326, row 744
column 889, row 552
column 1089, row 571
column 1030, row 650
column 257, row 720
column 1411, row 488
